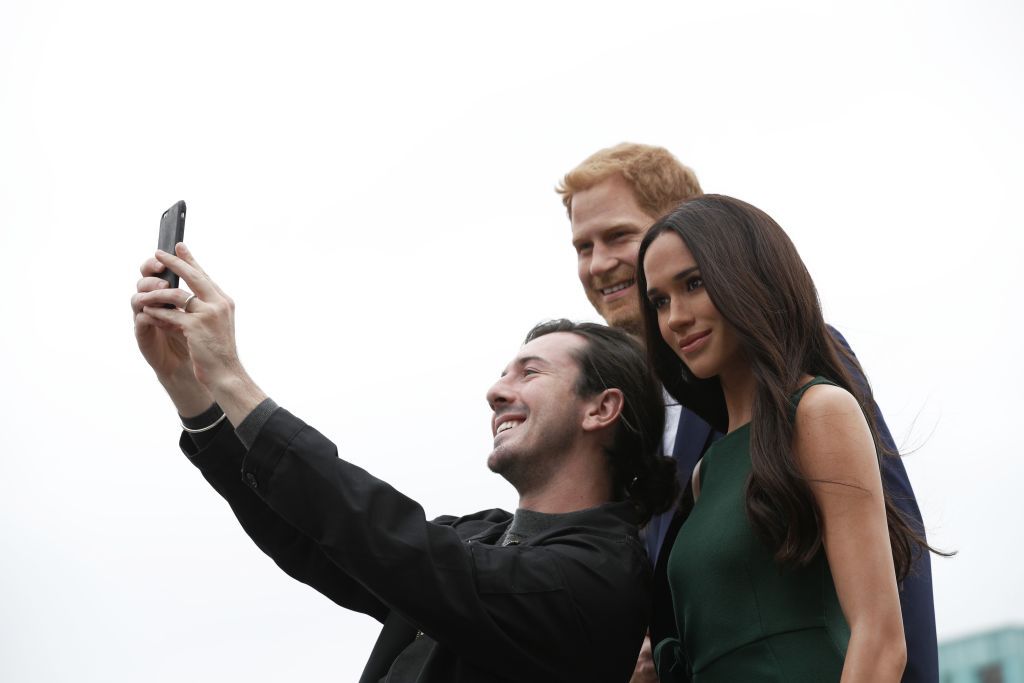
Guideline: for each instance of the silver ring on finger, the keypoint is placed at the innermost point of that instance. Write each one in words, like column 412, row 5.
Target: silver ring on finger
column 187, row 302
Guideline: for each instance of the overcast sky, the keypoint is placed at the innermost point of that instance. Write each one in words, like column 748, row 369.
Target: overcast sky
column 374, row 187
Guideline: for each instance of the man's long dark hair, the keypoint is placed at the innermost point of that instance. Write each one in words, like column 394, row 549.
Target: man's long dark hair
column 611, row 359
column 759, row 284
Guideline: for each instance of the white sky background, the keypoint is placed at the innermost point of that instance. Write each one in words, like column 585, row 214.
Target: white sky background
column 374, row 187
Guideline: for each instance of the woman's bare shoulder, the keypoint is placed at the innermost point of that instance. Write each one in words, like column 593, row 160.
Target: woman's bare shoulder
column 831, row 432
column 827, row 402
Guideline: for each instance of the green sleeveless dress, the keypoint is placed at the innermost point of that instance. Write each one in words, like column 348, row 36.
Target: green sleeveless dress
column 738, row 616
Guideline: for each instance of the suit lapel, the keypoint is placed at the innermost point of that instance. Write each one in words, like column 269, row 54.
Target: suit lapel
column 691, row 438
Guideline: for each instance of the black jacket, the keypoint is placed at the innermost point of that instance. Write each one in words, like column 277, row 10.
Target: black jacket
column 568, row 604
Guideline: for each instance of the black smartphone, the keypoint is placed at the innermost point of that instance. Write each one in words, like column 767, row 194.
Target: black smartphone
column 172, row 231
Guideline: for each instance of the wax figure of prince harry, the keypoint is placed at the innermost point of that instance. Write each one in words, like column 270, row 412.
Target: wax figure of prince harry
column 612, row 197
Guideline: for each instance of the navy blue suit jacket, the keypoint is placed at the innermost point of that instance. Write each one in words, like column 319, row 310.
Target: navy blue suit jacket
column 694, row 435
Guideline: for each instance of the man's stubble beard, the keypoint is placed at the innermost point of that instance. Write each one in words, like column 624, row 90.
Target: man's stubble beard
column 627, row 319
column 532, row 470
column 626, row 316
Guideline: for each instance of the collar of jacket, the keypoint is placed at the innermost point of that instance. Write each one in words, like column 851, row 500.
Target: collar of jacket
column 612, row 519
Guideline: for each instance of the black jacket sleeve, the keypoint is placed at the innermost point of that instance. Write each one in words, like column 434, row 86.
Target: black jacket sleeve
column 574, row 606
column 220, row 462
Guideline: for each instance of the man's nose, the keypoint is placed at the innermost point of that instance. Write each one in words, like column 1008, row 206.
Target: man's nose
column 602, row 260
column 499, row 394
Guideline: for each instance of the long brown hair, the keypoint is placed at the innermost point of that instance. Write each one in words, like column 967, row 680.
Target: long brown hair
column 759, row 284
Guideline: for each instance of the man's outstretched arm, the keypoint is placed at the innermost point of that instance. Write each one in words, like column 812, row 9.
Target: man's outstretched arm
column 573, row 608
column 166, row 349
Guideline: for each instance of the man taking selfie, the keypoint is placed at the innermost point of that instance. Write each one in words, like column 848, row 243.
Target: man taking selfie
column 559, row 591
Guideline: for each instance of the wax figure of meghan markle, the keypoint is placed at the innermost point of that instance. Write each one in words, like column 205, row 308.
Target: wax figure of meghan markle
column 787, row 567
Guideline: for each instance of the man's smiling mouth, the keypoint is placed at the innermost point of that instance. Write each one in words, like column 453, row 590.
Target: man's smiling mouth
column 607, row 291
column 507, row 425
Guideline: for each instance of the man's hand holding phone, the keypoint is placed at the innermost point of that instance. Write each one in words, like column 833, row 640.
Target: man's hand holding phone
column 205, row 323
column 164, row 346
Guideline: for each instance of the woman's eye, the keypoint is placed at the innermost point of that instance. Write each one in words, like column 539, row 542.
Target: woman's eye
column 694, row 283
column 659, row 302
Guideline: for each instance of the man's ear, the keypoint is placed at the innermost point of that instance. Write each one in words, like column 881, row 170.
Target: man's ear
column 603, row 409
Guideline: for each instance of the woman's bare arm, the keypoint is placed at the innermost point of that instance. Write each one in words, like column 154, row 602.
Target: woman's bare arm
column 835, row 451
